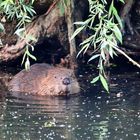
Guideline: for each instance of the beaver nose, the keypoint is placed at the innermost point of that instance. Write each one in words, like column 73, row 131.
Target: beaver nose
column 66, row 81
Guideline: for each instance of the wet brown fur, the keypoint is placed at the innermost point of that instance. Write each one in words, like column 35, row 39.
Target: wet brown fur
column 44, row 79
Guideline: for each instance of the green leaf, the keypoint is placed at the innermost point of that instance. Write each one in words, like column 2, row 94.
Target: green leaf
column 103, row 54
column 79, row 23
column 1, row 27
column 65, row 2
column 19, row 32
column 30, row 11
column 23, row 59
column 122, row 1
column 87, row 41
column 117, row 17
column 77, row 32
column 93, row 57
column 30, row 55
column 117, row 33
column 82, row 49
column 95, row 80
column 104, row 83
column 111, row 51
column 32, row 1
column 27, row 64
column 11, row 1
column 104, row 44
column 31, row 38
column 110, row 9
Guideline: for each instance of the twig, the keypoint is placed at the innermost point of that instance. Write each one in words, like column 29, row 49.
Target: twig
column 124, row 54
column 51, row 7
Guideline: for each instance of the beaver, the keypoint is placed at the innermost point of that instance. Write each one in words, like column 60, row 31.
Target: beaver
column 44, row 79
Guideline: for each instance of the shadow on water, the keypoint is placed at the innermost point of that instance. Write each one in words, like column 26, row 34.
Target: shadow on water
column 89, row 116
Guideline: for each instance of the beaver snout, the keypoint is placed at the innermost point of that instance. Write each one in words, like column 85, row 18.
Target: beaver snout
column 66, row 81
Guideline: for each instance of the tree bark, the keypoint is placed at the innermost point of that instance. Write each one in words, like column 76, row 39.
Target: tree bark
column 125, row 15
column 69, row 10
column 49, row 25
column 46, row 25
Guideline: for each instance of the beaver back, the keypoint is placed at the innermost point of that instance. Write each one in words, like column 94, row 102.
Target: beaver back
column 44, row 79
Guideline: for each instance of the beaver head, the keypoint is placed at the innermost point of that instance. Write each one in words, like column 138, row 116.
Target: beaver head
column 44, row 79
column 59, row 81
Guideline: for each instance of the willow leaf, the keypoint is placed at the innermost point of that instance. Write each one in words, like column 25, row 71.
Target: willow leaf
column 95, row 80
column 94, row 57
column 118, row 33
column 104, row 83
column 77, row 32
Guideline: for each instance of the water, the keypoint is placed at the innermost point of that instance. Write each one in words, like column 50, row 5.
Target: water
column 90, row 116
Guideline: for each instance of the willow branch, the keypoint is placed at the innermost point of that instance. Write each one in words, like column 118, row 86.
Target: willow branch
column 129, row 58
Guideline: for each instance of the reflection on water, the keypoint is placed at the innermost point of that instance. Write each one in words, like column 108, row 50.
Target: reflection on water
column 85, row 117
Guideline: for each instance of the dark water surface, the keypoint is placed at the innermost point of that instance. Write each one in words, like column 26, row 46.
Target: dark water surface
column 90, row 116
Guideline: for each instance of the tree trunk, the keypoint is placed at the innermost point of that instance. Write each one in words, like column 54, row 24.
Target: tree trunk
column 49, row 25
column 46, row 25
column 69, row 10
